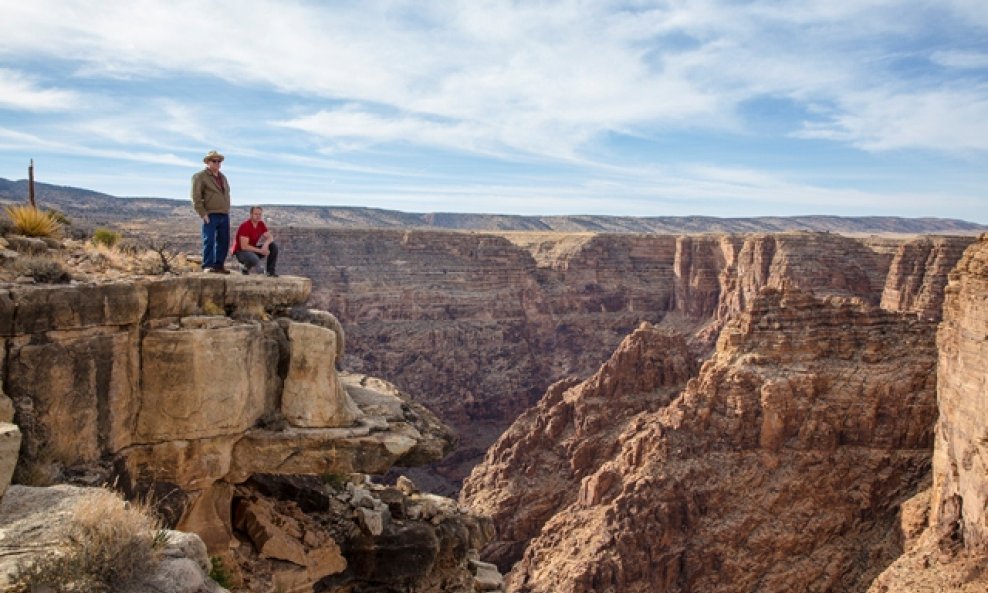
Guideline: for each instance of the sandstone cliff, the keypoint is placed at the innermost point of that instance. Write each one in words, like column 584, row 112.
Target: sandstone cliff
column 481, row 324
column 951, row 554
column 187, row 389
column 778, row 468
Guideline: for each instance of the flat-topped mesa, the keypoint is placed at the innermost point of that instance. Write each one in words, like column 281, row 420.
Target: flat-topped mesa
column 190, row 385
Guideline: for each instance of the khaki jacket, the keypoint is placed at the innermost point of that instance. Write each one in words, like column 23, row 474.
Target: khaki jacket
column 207, row 198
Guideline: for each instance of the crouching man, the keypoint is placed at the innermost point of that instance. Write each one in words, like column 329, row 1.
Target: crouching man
column 255, row 242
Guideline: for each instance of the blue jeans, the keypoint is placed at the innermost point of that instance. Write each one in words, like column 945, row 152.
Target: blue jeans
column 215, row 240
column 251, row 260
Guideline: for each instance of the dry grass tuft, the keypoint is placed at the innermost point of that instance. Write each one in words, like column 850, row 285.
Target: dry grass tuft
column 105, row 545
column 32, row 222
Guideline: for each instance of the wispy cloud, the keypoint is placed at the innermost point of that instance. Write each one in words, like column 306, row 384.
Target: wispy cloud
column 21, row 92
column 961, row 59
column 952, row 120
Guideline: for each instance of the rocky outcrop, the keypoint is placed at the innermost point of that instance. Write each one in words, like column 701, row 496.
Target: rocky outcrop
column 481, row 324
column 179, row 390
column 778, row 468
column 384, row 538
column 950, row 556
column 535, row 469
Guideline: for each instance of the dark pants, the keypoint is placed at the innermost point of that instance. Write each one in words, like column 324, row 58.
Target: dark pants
column 215, row 240
column 250, row 260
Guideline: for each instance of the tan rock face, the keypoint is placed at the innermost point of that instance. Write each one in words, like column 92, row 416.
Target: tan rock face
column 960, row 476
column 778, row 468
column 951, row 554
column 10, row 443
column 186, row 401
column 313, row 395
column 201, row 382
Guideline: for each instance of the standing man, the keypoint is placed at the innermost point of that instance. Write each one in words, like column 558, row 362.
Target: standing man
column 254, row 241
column 211, row 200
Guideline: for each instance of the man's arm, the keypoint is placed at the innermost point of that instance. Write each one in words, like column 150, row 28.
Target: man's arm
column 198, row 202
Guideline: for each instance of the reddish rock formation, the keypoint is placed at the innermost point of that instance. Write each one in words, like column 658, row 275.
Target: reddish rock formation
column 536, row 467
column 479, row 325
column 918, row 273
column 951, row 556
column 778, row 468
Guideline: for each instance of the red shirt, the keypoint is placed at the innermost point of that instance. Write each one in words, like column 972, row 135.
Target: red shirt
column 253, row 233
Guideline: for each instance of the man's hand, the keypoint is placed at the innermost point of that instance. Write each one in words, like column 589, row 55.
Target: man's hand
column 205, row 218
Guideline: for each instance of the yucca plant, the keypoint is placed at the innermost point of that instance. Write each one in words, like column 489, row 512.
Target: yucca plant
column 31, row 222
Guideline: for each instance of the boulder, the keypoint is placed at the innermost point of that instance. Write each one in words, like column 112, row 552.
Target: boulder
column 313, row 396
column 10, row 444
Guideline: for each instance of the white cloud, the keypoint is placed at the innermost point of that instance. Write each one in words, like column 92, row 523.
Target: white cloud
column 22, row 141
column 948, row 120
column 960, row 59
column 23, row 93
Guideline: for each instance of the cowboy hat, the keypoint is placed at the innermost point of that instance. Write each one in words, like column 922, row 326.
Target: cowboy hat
column 212, row 154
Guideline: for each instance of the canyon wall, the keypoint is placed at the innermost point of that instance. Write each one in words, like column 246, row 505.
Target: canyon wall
column 827, row 348
column 778, row 467
column 946, row 527
column 481, row 324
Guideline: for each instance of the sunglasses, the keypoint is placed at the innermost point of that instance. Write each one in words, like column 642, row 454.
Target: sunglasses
column 216, row 160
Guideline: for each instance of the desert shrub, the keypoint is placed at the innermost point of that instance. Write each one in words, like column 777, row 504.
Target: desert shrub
column 106, row 237
column 130, row 246
column 43, row 269
column 59, row 216
column 219, row 573
column 103, row 546
column 32, row 222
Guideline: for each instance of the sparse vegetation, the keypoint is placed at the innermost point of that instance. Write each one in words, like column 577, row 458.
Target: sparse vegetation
column 165, row 249
column 32, row 222
column 104, row 545
column 106, row 237
column 219, row 573
column 334, row 480
column 58, row 216
column 43, row 268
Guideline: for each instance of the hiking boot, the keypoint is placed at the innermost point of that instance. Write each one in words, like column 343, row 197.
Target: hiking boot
column 219, row 270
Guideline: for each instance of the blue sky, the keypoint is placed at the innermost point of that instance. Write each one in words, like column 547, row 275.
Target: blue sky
column 707, row 107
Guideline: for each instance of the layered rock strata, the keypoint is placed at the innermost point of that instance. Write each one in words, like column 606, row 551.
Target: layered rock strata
column 951, row 554
column 482, row 323
column 779, row 467
column 181, row 389
column 535, row 469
